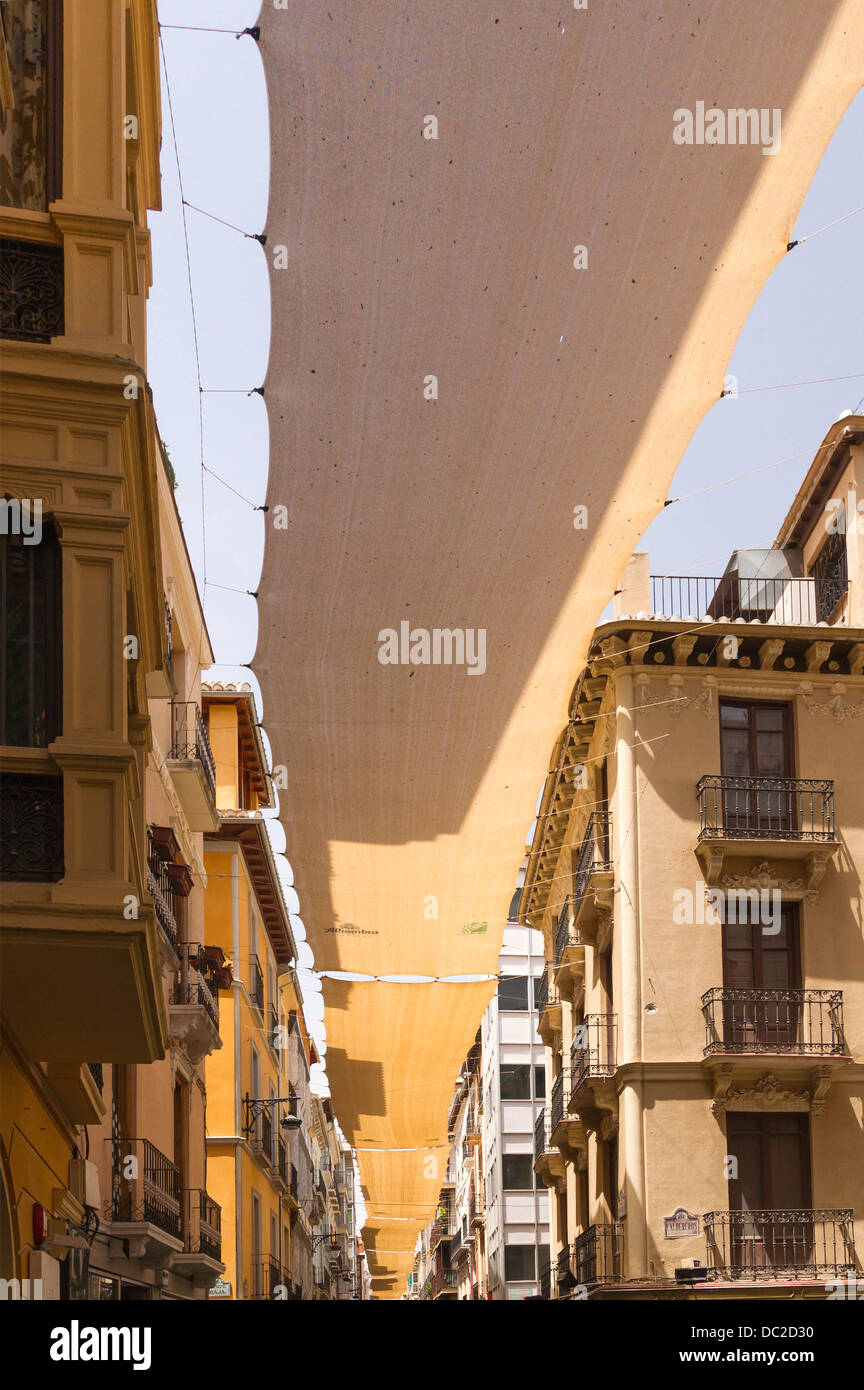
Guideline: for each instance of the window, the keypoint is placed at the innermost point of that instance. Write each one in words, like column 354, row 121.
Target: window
column 829, row 572
column 520, row 1263
column 31, row 72
column 518, row 1172
column 540, row 1083
column 516, row 1083
column 30, row 633
column 513, row 993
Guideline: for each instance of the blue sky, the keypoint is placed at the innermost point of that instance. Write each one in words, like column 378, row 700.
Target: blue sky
column 805, row 325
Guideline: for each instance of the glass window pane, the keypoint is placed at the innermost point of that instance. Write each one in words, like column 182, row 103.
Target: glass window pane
column 519, row 1263
column 516, row 1083
column 518, row 1172
column 513, row 993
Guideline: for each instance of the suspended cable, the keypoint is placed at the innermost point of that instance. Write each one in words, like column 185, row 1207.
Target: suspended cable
column 192, row 308
column 787, row 385
column 252, row 593
column 252, row 236
column 254, row 32
column 790, row 245
column 236, row 494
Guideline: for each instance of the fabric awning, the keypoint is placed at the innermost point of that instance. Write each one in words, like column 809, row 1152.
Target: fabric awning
column 396, row 259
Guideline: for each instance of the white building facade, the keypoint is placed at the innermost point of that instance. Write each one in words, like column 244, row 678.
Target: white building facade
column 513, row 1061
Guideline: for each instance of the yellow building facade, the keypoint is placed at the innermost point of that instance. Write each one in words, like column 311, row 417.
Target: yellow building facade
column 251, row 1170
column 696, row 873
column 106, row 785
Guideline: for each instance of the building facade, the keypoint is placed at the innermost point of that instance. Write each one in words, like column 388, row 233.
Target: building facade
column 516, row 1203
column 101, row 1135
column 249, row 1152
column 696, row 874
column 489, row 1238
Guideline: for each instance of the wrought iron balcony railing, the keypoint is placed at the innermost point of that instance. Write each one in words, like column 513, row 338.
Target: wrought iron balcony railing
column 595, row 1256
column 558, row 1099
column 777, row 1244
column 152, row 1194
column 190, row 740
column 804, row 1022
column 161, row 890
column 595, row 852
column 169, row 636
column 766, row 808
column 197, row 991
column 564, row 933
column 542, row 1135
column 444, row 1281
column 203, row 1224
column 594, row 1049
column 790, row 602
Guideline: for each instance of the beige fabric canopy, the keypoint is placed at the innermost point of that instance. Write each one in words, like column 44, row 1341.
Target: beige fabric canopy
column 395, row 259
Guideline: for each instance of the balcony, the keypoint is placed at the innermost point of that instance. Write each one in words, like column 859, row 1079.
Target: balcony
column 462, row 1243
column 160, row 886
column 799, row 1030
column 444, row 1225
column 788, row 818
column 754, row 1245
column 144, row 1208
column 593, row 1062
column 593, row 878
column 783, row 601
column 262, row 1139
column 547, row 1158
column 202, row 1238
column 160, row 682
column 194, row 1011
column 445, row 1284
column 566, row 1132
column 191, row 765
column 596, row 1256
column 569, row 962
column 548, row 1005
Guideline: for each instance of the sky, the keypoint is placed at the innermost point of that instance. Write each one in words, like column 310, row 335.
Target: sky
column 804, row 327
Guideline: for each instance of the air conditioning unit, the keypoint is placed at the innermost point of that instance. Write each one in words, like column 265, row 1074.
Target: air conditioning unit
column 84, row 1182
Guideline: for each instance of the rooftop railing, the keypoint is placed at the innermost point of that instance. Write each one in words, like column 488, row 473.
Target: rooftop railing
column 790, row 602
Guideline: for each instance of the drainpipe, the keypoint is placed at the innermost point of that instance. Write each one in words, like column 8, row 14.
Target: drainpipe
column 629, row 1006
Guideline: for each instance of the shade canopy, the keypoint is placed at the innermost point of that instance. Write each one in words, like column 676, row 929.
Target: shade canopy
column 451, row 382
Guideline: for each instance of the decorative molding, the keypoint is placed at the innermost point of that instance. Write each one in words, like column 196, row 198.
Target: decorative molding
column 835, row 706
column 769, row 1093
column 704, row 700
column 761, row 877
